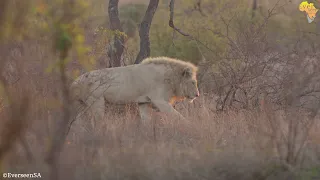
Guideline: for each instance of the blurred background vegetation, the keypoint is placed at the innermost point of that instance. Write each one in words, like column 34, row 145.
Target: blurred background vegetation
column 248, row 57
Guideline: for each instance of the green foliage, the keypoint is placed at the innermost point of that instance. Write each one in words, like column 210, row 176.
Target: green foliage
column 63, row 21
column 130, row 16
column 135, row 12
column 310, row 174
column 13, row 19
column 164, row 41
column 290, row 26
column 103, row 35
column 63, row 40
column 162, row 44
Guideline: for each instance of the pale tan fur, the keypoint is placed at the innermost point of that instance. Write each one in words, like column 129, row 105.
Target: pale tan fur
column 159, row 81
column 171, row 62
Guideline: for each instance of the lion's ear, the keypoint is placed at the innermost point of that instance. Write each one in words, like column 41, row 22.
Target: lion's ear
column 187, row 73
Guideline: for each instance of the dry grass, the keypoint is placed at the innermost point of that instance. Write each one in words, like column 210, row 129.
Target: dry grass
column 233, row 145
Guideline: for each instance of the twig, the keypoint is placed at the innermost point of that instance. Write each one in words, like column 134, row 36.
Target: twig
column 171, row 24
column 26, row 147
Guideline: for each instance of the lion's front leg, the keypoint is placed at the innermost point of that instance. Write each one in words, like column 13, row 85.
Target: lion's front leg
column 145, row 112
column 165, row 107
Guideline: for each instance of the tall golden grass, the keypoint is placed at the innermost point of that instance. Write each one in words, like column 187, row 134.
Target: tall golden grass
column 209, row 146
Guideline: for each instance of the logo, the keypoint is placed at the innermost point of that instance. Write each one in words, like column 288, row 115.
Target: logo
column 310, row 10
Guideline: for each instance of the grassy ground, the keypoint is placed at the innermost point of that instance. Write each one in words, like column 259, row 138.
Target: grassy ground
column 234, row 145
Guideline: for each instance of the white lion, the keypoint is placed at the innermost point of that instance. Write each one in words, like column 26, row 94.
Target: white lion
column 158, row 81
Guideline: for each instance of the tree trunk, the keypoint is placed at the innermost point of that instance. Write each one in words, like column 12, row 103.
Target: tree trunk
column 116, row 47
column 254, row 8
column 144, row 31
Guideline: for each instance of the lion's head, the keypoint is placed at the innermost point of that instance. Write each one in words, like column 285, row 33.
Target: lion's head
column 188, row 86
column 180, row 75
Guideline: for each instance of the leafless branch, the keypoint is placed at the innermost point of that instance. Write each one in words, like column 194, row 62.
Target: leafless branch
column 198, row 7
column 171, row 24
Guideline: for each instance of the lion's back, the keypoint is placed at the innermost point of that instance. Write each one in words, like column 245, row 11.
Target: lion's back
column 131, row 83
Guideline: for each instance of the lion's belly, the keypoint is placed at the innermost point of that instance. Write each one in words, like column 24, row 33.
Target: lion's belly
column 126, row 100
column 120, row 95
